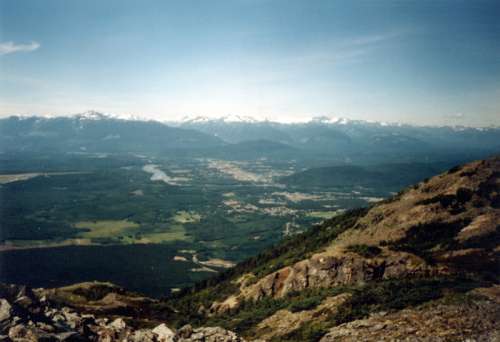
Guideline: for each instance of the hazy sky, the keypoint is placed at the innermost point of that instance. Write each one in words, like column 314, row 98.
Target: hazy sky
column 425, row 62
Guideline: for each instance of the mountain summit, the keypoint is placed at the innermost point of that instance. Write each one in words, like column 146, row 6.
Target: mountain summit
column 423, row 265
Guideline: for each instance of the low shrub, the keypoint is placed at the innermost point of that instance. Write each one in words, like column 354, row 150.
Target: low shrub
column 365, row 250
column 305, row 304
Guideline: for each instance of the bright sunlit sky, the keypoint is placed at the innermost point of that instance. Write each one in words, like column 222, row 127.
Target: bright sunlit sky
column 423, row 62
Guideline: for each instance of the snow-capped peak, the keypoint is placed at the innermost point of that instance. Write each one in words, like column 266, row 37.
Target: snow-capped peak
column 238, row 118
column 195, row 119
column 232, row 118
column 93, row 115
column 330, row 120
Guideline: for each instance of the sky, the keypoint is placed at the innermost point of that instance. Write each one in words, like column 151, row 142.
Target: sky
column 420, row 62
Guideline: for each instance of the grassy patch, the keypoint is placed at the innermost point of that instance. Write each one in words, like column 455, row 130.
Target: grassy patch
column 105, row 228
column 186, row 217
column 127, row 232
column 174, row 233
column 322, row 214
column 85, row 292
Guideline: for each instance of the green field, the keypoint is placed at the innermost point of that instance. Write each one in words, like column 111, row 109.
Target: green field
column 106, row 228
column 323, row 214
column 174, row 233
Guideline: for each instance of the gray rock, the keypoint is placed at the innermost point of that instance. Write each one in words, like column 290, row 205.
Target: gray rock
column 21, row 333
column 379, row 326
column 118, row 324
column 142, row 335
column 185, row 331
column 45, row 327
column 5, row 310
column 212, row 334
column 165, row 334
column 68, row 336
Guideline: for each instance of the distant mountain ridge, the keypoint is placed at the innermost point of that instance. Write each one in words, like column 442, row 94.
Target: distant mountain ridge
column 96, row 132
column 235, row 118
column 338, row 139
column 320, row 119
column 357, row 140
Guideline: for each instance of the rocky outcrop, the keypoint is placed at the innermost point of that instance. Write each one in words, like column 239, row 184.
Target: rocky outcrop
column 27, row 315
column 473, row 319
column 207, row 334
column 99, row 297
column 164, row 333
column 324, row 270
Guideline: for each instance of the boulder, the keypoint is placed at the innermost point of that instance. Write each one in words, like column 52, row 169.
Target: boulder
column 142, row 335
column 118, row 324
column 185, row 331
column 5, row 310
column 211, row 334
column 164, row 333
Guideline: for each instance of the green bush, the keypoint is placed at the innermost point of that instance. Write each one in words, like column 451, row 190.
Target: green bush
column 423, row 238
column 305, row 304
column 365, row 250
column 309, row 331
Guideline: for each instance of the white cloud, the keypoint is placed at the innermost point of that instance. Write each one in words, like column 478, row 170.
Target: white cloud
column 11, row 47
column 374, row 38
column 340, row 51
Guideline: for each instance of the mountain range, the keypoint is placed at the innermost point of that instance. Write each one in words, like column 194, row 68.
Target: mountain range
column 95, row 132
column 361, row 140
column 338, row 140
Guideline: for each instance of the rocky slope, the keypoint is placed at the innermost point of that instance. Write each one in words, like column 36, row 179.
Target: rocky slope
column 91, row 312
column 473, row 319
column 423, row 265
